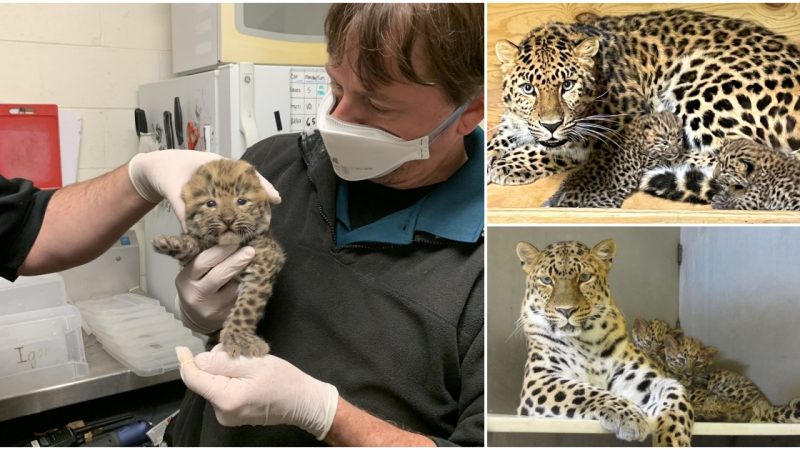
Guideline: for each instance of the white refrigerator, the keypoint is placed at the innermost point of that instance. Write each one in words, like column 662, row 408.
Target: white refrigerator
column 232, row 107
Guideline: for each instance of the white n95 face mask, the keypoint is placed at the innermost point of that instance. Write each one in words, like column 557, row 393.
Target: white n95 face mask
column 360, row 152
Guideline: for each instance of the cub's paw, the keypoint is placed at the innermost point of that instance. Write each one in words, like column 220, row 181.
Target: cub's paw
column 168, row 245
column 628, row 423
column 243, row 344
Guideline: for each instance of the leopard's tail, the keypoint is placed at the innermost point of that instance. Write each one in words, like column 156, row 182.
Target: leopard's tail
column 685, row 183
column 766, row 412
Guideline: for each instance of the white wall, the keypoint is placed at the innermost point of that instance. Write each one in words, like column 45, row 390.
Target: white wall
column 90, row 59
column 739, row 293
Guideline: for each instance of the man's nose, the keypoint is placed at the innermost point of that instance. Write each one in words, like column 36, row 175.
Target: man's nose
column 349, row 111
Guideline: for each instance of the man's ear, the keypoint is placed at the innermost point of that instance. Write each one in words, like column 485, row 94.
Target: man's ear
column 472, row 116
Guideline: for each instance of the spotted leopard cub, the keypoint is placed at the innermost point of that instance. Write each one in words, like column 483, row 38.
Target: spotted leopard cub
column 648, row 336
column 580, row 363
column 608, row 178
column 719, row 394
column 226, row 205
column 753, row 176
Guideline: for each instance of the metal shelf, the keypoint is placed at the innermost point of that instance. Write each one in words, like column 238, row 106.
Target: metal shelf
column 507, row 423
column 107, row 376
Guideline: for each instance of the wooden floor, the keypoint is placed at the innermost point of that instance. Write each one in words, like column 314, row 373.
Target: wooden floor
column 521, row 205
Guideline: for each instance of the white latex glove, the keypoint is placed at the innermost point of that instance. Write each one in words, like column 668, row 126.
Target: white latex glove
column 259, row 391
column 206, row 288
column 162, row 174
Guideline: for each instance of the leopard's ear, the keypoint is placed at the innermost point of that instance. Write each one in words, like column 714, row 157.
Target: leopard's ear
column 746, row 167
column 587, row 48
column 527, row 255
column 639, row 326
column 605, row 250
column 507, row 53
column 670, row 345
column 710, row 352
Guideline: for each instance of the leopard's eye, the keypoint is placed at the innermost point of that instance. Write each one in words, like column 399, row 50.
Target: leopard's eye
column 527, row 89
column 546, row 280
column 241, row 201
column 567, row 86
column 211, row 204
column 584, row 277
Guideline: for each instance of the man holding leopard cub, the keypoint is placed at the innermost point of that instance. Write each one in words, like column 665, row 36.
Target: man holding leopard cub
column 376, row 321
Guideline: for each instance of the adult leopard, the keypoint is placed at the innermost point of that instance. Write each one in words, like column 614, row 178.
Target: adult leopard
column 580, row 362
column 569, row 88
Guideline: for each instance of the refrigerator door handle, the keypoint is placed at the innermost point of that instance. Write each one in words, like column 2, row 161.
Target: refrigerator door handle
column 247, row 94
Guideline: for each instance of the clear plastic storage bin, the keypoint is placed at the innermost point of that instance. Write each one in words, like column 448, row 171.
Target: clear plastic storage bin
column 138, row 332
column 40, row 348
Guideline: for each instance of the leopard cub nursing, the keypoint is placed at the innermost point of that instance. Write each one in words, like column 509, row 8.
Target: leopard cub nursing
column 606, row 179
column 226, row 205
column 580, row 362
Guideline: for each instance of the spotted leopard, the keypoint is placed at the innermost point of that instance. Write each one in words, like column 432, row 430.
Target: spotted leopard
column 580, row 362
column 753, row 176
column 568, row 90
column 608, row 178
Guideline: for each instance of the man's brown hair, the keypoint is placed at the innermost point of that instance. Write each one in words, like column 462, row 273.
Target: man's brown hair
column 450, row 34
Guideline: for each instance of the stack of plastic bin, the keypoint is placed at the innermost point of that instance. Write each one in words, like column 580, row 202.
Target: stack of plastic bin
column 40, row 336
column 138, row 332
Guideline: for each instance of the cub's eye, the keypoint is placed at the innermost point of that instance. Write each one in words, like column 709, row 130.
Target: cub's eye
column 584, row 277
column 546, row 280
column 567, row 86
column 527, row 89
column 211, row 203
column 241, row 201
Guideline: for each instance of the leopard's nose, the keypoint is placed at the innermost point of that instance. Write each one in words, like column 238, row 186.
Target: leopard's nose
column 566, row 312
column 552, row 126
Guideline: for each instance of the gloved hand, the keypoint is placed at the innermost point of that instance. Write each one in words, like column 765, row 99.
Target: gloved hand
column 206, row 289
column 162, row 174
column 259, row 391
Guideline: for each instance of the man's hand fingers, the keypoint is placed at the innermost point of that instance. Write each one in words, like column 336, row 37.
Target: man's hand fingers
column 209, row 259
column 219, row 363
column 203, row 384
column 224, row 271
column 272, row 193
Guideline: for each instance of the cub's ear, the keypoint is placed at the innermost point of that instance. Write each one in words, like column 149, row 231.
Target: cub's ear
column 710, row 352
column 605, row 250
column 639, row 326
column 527, row 254
column 746, row 167
column 670, row 345
column 586, row 50
column 507, row 53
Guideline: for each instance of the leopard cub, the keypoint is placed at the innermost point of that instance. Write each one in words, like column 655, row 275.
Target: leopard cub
column 226, row 205
column 753, row 176
column 608, row 177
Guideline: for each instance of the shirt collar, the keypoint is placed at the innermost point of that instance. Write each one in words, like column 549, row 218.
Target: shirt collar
column 453, row 210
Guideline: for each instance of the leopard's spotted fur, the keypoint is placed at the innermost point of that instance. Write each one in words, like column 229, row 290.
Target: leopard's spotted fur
column 580, row 363
column 753, row 176
column 568, row 88
column 608, row 178
column 717, row 394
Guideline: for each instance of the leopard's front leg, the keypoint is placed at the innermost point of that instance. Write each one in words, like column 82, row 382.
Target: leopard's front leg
column 559, row 397
column 663, row 399
column 183, row 247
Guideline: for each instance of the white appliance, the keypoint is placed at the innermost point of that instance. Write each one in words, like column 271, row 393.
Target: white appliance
column 206, row 35
column 233, row 107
